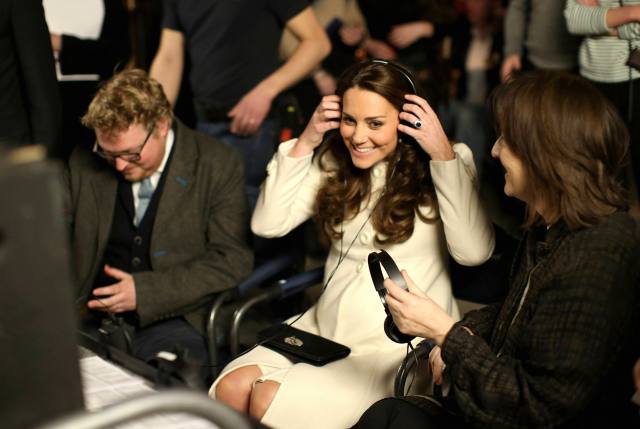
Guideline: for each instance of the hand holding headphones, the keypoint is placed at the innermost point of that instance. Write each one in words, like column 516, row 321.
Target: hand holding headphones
column 376, row 259
column 415, row 313
column 425, row 128
column 326, row 117
column 410, row 312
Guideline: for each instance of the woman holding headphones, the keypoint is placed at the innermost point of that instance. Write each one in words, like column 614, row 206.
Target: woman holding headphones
column 389, row 178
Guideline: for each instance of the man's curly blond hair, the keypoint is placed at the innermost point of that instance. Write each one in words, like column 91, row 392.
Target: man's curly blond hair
column 129, row 97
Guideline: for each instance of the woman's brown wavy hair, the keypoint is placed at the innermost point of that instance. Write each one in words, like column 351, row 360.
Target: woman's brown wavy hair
column 408, row 181
column 572, row 142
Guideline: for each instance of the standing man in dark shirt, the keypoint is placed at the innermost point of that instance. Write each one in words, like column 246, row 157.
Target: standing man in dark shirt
column 30, row 111
column 235, row 69
column 159, row 217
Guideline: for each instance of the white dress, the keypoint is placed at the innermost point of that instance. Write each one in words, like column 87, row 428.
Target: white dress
column 349, row 311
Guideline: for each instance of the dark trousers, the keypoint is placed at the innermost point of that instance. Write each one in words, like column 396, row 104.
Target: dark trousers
column 626, row 97
column 169, row 335
column 179, row 337
column 407, row 413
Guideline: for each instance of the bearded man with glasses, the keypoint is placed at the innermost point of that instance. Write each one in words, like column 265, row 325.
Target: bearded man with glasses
column 158, row 219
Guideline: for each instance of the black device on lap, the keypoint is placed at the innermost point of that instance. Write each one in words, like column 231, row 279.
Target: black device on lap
column 375, row 260
column 302, row 346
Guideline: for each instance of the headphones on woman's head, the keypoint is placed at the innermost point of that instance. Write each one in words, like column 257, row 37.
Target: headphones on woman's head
column 375, row 260
column 404, row 72
column 400, row 69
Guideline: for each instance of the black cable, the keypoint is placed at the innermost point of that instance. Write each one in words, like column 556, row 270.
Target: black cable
column 341, row 257
column 116, row 320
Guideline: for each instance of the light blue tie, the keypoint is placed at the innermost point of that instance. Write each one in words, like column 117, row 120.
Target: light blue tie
column 144, row 196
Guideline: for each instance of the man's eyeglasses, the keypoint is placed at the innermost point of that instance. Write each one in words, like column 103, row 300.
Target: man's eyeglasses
column 129, row 156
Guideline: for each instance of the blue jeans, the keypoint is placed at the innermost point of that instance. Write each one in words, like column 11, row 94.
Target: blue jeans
column 466, row 122
column 256, row 151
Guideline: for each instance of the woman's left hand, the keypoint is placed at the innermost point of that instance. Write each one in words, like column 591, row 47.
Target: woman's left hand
column 414, row 313
column 429, row 134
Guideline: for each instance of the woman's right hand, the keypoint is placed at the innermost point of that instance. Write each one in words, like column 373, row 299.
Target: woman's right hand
column 326, row 117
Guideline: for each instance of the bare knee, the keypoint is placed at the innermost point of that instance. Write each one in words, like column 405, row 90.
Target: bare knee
column 261, row 397
column 234, row 389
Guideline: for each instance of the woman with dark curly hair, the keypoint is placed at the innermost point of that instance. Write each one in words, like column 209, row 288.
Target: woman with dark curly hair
column 378, row 183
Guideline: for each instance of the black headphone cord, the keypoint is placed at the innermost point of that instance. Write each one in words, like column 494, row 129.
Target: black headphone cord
column 341, row 257
column 116, row 320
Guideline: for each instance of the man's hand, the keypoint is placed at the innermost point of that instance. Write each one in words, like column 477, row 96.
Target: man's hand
column 414, row 313
column 379, row 49
column 117, row 298
column 325, row 82
column 249, row 113
column 351, row 35
column 56, row 42
column 404, row 35
column 510, row 64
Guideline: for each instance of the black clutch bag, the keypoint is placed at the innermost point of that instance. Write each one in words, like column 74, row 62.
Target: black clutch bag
column 302, row 346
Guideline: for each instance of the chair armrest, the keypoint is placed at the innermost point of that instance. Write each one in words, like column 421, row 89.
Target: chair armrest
column 260, row 276
column 178, row 400
column 281, row 289
column 300, row 282
column 212, row 328
column 420, row 354
column 265, row 272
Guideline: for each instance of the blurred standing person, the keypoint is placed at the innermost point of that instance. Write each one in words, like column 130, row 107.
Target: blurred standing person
column 612, row 30
column 90, row 40
column 336, row 17
column 29, row 98
column 536, row 37
column 235, row 71
column 476, row 50
column 411, row 33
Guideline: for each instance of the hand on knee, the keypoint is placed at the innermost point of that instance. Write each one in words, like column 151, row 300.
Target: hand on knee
column 262, row 396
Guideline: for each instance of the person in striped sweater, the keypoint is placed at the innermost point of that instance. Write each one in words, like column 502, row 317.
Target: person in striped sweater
column 612, row 31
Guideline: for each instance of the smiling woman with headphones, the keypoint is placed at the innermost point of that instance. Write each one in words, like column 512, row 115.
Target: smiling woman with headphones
column 389, row 178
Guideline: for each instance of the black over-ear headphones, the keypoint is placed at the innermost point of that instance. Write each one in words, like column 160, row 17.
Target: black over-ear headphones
column 376, row 259
column 404, row 72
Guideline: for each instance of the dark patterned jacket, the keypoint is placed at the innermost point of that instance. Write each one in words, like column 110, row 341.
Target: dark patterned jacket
column 563, row 356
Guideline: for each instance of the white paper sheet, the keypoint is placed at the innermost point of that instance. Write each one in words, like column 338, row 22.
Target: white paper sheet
column 79, row 18
column 105, row 383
